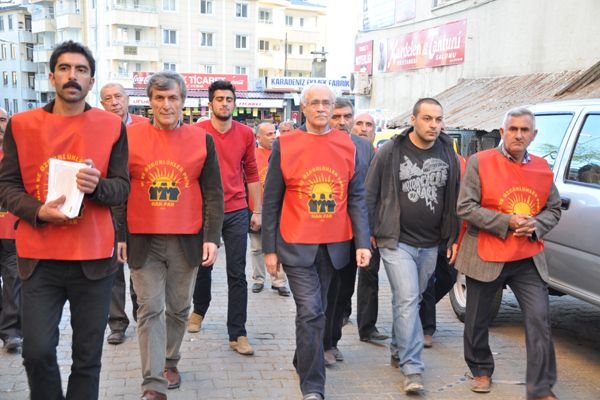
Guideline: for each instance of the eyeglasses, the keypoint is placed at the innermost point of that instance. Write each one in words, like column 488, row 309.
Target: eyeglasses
column 316, row 103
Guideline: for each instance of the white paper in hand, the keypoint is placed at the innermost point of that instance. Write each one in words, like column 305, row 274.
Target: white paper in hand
column 62, row 180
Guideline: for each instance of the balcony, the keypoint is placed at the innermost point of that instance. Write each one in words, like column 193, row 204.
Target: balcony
column 128, row 14
column 41, row 53
column 133, row 51
column 271, row 31
column 299, row 64
column 42, row 84
column 296, row 36
column 26, row 37
column 28, row 66
column 42, row 22
column 28, row 94
column 68, row 17
column 270, row 60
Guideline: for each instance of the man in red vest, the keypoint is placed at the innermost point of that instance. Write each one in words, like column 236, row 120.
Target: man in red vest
column 114, row 99
column 313, row 206
column 235, row 146
column 10, row 295
column 265, row 136
column 62, row 259
column 509, row 202
column 174, row 218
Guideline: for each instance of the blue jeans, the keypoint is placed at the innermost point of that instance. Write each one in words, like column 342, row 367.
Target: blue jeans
column 408, row 269
column 309, row 286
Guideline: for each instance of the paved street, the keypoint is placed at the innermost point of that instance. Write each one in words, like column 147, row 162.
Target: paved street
column 210, row 370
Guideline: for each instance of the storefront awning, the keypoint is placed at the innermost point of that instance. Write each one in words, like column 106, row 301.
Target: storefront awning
column 480, row 104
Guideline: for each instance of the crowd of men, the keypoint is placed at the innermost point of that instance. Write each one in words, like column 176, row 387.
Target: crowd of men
column 162, row 196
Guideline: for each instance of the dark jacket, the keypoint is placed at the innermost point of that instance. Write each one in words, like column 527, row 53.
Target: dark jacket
column 383, row 193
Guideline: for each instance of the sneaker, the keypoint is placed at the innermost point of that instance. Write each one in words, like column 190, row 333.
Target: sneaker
column 312, row 396
column 329, row 357
column 242, row 346
column 481, row 384
column 337, row 354
column 13, row 344
column 195, row 323
column 427, row 341
column 257, row 287
column 413, row 383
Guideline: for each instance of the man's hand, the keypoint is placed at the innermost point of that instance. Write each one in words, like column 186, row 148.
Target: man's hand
column 451, row 253
column 522, row 225
column 363, row 256
column 88, row 178
column 255, row 222
column 209, row 254
column 50, row 212
column 272, row 263
column 122, row 252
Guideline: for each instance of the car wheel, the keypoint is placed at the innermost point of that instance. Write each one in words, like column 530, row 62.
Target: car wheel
column 458, row 298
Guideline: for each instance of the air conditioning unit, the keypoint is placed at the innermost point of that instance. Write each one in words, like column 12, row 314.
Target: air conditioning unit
column 360, row 84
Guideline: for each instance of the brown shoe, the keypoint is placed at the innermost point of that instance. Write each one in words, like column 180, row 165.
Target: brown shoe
column 427, row 341
column 153, row 395
column 173, row 377
column 481, row 384
column 195, row 323
column 242, row 346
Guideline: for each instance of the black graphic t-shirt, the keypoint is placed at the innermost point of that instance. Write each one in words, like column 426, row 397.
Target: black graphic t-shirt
column 423, row 175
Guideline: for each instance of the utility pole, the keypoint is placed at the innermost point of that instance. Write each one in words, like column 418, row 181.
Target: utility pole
column 319, row 63
column 285, row 55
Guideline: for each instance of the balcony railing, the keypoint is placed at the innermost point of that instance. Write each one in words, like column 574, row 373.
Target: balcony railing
column 67, row 10
column 136, row 43
column 133, row 7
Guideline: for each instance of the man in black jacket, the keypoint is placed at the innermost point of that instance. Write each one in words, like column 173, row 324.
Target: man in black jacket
column 412, row 187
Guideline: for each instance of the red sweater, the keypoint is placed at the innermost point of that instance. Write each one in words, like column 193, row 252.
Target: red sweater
column 235, row 149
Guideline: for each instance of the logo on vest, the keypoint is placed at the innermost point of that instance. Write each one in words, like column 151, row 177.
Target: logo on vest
column 41, row 181
column 519, row 200
column 322, row 185
column 165, row 180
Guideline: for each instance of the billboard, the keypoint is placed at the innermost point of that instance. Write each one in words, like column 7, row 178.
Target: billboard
column 377, row 14
column 363, row 57
column 432, row 47
column 288, row 83
column 195, row 81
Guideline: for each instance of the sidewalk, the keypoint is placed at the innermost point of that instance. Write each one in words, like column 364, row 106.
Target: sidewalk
column 210, row 370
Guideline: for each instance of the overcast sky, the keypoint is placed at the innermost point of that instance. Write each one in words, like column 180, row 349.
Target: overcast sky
column 342, row 25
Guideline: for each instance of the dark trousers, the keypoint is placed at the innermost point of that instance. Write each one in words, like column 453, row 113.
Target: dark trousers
column 339, row 296
column 10, row 318
column 44, row 295
column 117, row 317
column 532, row 294
column 439, row 285
column 235, row 239
column 367, row 296
column 309, row 286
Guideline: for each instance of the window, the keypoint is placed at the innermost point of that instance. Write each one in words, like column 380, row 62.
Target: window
column 301, row 22
column 6, row 107
column 240, row 70
column 122, row 68
column 207, row 68
column 263, row 45
column 241, row 41
column 138, row 35
column 169, row 36
column 15, row 106
column 265, row 16
column 2, row 52
column 241, row 10
column 29, row 50
column 289, row 49
column 169, row 67
column 138, row 67
column 1, row 23
column 31, row 80
column 5, row 78
column 169, row 5
column 551, row 131
column 206, row 39
column 289, row 20
column 206, row 7
column 13, row 51
column 14, row 79
column 300, row 49
column 10, row 22
column 584, row 165
column 263, row 72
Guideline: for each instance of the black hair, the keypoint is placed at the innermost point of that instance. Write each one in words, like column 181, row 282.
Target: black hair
column 428, row 100
column 72, row 47
column 220, row 85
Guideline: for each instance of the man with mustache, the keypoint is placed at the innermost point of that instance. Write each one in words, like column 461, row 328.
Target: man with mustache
column 62, row 259
column 235, row 145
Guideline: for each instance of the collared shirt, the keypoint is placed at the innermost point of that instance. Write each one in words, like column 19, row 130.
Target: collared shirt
column 129, row 120
column 505, row 153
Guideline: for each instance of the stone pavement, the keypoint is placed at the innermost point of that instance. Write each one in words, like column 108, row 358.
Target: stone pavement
column 210, row 370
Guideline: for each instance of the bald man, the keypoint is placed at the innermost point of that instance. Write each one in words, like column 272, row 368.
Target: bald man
column 364, row 126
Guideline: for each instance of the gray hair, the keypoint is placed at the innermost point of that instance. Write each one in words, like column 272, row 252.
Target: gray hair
column 166, row 80
column 113, row 84
column 312, row 86
column 2, row 110
column 342, row 102
column 518, row 112
column 257, row 129
column 288, row 122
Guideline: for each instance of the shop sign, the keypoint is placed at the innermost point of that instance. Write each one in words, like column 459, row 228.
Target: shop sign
column 363, row 57
column 143, row 101
column 249, row 103
column 441, row 45
column 298, row 83
column 195, row 81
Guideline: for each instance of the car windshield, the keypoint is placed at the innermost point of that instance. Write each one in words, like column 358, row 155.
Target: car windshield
column 551, row 131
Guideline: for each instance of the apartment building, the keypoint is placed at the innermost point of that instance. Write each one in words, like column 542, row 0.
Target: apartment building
column 17, row 67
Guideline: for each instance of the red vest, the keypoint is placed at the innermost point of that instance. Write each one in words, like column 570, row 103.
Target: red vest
column 40, row 135
column 317, row 170
column 137, row 118
column 511, row 188
column 262, row 162
column 7, row 220
column 165, row 168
